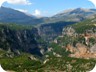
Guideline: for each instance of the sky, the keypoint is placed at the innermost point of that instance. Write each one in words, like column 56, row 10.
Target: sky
column 46, row 7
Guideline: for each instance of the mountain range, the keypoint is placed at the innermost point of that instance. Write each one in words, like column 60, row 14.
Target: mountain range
column 9, row 15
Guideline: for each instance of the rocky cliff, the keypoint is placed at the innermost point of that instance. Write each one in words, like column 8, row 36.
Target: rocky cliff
column 50, row 31
column 17, row 39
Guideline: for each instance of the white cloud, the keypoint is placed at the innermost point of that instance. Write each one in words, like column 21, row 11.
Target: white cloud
column 1, row 2
column 37, row 13
column 23, row 2
column 94, row 2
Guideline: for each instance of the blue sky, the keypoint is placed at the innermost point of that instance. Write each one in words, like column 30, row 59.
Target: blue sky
column 49, row 7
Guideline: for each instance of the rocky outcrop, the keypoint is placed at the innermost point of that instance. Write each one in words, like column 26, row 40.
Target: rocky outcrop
column 70, row 48
column 80, row 51
column 81, row 48
column 93, row 49
column 69, row 31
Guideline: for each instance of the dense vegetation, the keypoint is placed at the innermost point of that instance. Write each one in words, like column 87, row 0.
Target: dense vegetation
column 15, row 26
column 23, row 63
column 85, row 25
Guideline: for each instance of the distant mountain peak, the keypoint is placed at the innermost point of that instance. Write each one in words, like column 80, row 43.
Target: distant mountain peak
column 77, row 9
column 84, row 9
column 9, row 15
column 77, row 14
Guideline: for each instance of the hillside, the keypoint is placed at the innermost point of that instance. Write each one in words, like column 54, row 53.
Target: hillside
column 28, row 63
column 79, row 39
column 85, row 25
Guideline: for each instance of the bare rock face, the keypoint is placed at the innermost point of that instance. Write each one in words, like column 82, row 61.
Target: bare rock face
column 93, row 49
column 70, row 48
column 69, row 31
column 81, row 48
column 81, row 51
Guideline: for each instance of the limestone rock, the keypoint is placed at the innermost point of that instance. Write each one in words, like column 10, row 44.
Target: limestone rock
column 81, row 48
column 93, row 49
